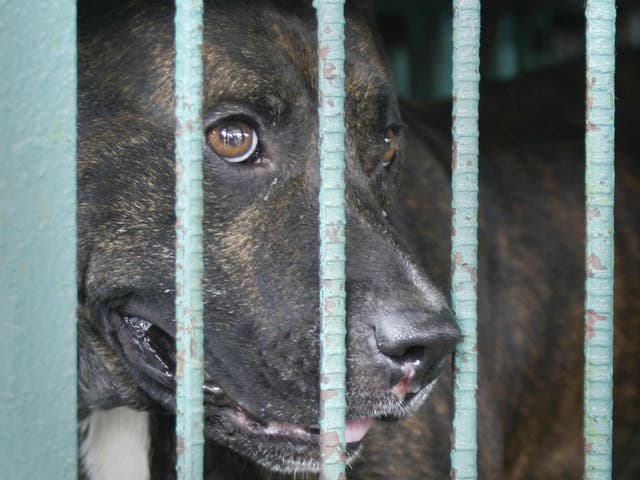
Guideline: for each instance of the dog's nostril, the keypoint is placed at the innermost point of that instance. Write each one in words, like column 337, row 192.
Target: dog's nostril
column 415, row 341
column 413, row 354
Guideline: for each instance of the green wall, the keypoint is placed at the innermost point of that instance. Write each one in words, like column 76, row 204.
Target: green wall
column 37, row 240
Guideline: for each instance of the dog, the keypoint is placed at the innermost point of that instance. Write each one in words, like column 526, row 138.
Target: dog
column 260, row 283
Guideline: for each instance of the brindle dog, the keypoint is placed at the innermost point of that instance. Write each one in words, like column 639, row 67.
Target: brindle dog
column 261, row 308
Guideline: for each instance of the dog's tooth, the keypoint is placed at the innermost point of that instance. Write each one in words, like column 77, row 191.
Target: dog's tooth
column 215, row 395
column 275, row 428
column 212, row 389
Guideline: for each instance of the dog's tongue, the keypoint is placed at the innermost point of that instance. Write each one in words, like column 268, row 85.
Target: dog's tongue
column 357, row 429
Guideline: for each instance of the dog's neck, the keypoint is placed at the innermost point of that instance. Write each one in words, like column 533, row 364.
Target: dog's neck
column 115, row 444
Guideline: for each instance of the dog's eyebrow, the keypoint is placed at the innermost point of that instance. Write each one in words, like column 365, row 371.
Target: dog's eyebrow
column 372, row 97
column 271, row 105
column 244, row 86
column 270, row 108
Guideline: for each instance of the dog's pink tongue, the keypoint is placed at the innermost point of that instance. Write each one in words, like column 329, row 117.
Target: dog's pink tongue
column 357, row 429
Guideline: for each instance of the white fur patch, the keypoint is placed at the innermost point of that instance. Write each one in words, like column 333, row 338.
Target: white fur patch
column 116, row 445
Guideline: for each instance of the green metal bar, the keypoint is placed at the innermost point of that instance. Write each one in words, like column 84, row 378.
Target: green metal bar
column 38, row 239
column 331, row 80
column 189, row 238
column 466, row 77
column 600, row 186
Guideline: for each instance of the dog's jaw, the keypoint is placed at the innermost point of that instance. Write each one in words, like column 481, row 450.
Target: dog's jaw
column 289, row 448
column 115, row 444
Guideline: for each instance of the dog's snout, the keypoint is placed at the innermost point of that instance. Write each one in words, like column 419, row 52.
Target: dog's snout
column 415, row 344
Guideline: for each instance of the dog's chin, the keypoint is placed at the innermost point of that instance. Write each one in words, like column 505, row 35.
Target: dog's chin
column 278, row 447
column 395, row 409
column 291, row 448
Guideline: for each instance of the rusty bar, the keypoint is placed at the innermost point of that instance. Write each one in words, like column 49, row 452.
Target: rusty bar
column 189, row 237
column 466, row 77
column 600, row 186
column 331, row 80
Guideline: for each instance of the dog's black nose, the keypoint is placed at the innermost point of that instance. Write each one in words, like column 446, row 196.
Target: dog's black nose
column 415, row 343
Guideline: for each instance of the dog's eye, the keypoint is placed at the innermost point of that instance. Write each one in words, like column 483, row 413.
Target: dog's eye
column 390, row 147
column 235, row 141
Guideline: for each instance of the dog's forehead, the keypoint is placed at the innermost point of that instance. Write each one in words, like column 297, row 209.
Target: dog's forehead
column 254, row 51
column 266, row 55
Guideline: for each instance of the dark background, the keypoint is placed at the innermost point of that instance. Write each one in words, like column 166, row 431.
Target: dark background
column 517, row 36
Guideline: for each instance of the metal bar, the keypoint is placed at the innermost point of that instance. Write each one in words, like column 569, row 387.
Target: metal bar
column 331, row 97
column 466, row 77
column 189, row 238
column 38, row 239
column 600, row 186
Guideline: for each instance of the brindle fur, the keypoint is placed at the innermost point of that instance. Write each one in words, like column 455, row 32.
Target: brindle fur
column 260, row 243
column 531, row 274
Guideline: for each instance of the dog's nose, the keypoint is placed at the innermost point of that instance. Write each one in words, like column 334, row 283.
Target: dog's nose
column 415, row 343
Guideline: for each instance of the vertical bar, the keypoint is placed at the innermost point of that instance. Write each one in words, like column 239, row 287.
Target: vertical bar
column 38, row 239
column 466, row 77
column 600, row 185
column 331, row 81
column 189, row 237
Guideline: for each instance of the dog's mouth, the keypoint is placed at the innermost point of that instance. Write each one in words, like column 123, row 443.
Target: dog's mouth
column 356, row 428
column 275, row 445
column 287, row 447
column 278, row 446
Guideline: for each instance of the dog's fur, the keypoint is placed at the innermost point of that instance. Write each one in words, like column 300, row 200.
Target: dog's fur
column 261, row 307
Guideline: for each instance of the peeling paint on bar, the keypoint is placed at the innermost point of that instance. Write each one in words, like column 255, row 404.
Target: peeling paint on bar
column 331, row 97
column 189, row 237
column 466, row 77
column 600, row 186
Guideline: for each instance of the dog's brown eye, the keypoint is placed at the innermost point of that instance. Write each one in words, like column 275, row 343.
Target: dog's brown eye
column 235, row 141
column 390, row 147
